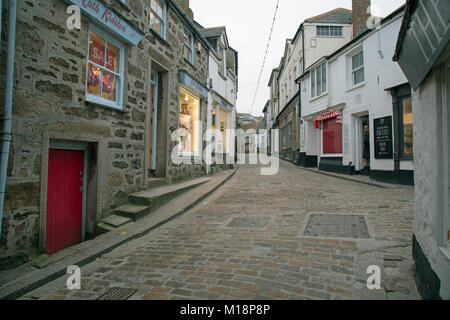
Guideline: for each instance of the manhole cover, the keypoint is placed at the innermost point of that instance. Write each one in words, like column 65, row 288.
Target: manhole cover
column 117, row 294
column 337, row 226
column 249, row 222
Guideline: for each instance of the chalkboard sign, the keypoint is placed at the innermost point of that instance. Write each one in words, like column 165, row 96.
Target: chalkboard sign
column 383, row 138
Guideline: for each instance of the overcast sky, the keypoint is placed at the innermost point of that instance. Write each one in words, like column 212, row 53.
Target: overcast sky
column 248, row 25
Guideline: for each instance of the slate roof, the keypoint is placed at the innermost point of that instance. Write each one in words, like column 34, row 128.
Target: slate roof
column 339, row 15
column 212, row 32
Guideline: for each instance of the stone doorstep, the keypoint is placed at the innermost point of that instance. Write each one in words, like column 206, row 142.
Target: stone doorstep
column 117, row 221
column 49, row 268
column 126, row 214
column 162, row 191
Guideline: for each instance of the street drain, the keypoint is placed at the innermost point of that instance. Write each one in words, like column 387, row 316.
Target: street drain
column 337, row 226
column 117, row 294
column 249, row 222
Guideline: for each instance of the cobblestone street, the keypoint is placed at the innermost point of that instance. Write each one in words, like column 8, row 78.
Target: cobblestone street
column 208, row 254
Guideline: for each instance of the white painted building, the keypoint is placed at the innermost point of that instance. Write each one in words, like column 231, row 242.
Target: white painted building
column 315, row 37
column 223, row 83
column 356, row 108
column 423, row 52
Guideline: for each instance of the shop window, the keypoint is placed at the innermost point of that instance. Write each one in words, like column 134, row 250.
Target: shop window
column 189, row 141
column 358, row 68
column 104, row 83
column 188, row 46
column 158, row 17
column 332, row 136
column 407, row 129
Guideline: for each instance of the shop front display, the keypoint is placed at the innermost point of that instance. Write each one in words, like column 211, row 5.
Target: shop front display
column 189, row 120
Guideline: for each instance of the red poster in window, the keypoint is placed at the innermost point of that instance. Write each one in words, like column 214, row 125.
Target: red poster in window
column 97, row 53
column 332, row 137
column 110, row 57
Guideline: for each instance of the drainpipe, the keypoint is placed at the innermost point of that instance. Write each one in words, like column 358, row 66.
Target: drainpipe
column 1, row 11
column 6, row 134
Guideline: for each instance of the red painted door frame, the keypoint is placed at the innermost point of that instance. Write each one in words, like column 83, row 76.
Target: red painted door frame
column 64, row 199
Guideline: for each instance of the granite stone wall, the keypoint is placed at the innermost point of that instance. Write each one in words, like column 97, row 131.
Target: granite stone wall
column 49, row 101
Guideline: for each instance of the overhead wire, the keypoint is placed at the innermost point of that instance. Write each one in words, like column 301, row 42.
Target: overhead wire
column 265, row 55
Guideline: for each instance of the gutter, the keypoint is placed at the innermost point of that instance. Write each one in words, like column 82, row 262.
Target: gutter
column 6, row 134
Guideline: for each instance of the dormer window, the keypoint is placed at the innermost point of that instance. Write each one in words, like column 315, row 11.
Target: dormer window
column 329, row 31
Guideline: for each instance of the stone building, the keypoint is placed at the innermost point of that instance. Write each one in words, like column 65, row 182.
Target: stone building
column 95, row 112
column 423, row 53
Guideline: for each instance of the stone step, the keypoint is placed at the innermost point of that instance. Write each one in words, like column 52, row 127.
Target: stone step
column 156, row 182
column 116, row 221
column 157, row 197
column 132, row 211
column 103, row 228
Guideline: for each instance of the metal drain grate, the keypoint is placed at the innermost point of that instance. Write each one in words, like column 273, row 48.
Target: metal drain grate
column 249, row 222
column 337, row 226
column 117, row 294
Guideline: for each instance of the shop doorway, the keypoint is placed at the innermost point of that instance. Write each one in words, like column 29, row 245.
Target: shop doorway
column 155, row 163
column 65, row 199
column 364, row 145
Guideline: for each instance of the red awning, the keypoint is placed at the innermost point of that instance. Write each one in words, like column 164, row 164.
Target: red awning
column 327, row 116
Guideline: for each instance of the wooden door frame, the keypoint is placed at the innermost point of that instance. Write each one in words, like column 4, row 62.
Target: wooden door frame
column 47, row 144
column 76, row 146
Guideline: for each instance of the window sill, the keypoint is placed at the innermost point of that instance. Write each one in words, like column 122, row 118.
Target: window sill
column 360, row 85
column 124, row 5
column 332, row 155
column 190, row 63
column 318, row 97
column 446, row 251
column 103, row 104
column 160, row 38
column 189, row 155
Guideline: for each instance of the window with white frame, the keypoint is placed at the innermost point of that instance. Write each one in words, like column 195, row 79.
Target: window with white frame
column 104, row 76
column 358, row 68
column 329, row 31
column 188, row 46
column 319, row 80
column 158, row 17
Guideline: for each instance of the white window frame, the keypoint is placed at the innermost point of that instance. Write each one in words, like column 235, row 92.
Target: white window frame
column 354, row 70
column 190, row 46
column 329, row 33
column 163, row 18
column 118, row 104
column 315, row 80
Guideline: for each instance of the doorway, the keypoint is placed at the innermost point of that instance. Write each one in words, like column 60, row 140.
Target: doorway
column 364, row 145
column 155, row 159
column 65, row 199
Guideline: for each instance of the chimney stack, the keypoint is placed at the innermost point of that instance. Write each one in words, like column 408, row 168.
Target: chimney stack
column 360, row 15
column 184, row 4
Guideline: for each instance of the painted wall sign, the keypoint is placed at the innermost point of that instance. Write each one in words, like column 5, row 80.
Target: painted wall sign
column 383, row 138
column 192, row 83
column 106, row 17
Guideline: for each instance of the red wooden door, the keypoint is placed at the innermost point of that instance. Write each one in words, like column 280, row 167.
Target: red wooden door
column 64, row 199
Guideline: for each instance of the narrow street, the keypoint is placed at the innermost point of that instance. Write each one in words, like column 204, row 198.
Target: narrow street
column 247, row 242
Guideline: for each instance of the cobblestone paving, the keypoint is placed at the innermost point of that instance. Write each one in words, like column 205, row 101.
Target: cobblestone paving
column 202, row 255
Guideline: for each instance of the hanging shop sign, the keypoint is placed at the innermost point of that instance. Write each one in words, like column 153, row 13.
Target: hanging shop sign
column 193, row 84
column 328, row 115
column 109, row 19
column 383, row 138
